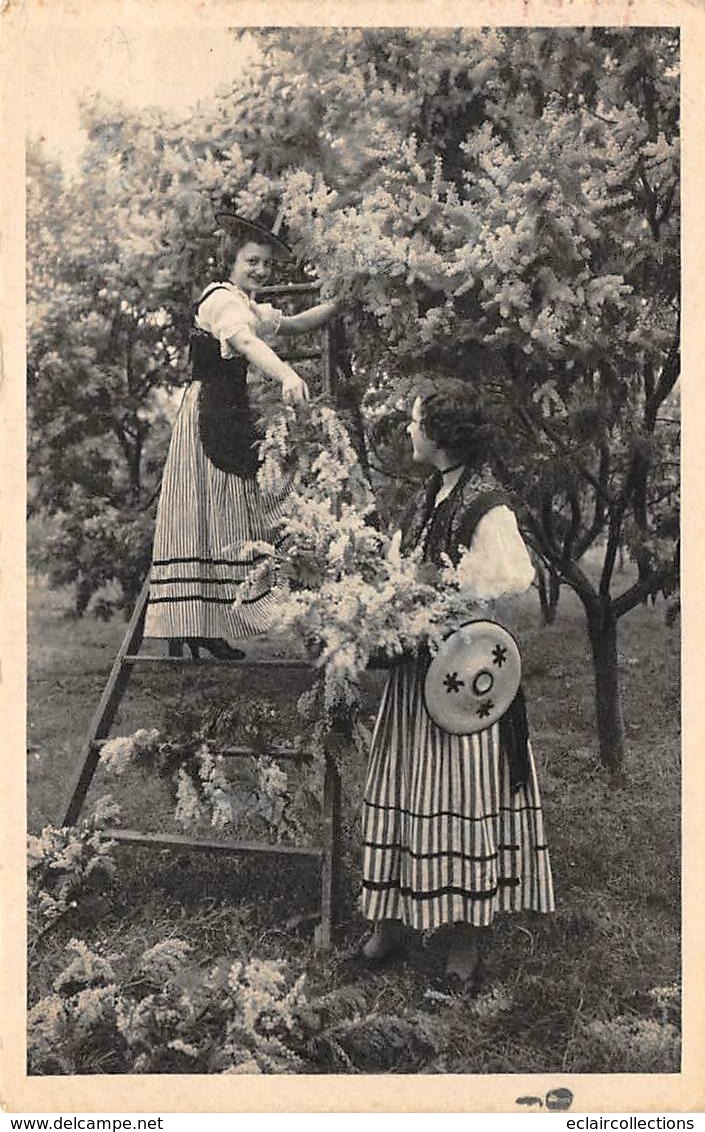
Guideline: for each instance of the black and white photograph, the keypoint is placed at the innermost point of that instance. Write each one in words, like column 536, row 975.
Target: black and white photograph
column 352, row 558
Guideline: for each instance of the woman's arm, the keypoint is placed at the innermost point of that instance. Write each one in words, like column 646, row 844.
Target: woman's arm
column 310, row 319
column 246, row 342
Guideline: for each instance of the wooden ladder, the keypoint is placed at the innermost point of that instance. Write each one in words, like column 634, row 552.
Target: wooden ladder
column 128, row 656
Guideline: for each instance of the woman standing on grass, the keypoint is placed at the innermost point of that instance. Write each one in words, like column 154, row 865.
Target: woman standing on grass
column 210, row 502
column 452, row 824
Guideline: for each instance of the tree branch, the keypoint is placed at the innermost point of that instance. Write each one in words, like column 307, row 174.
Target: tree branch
column 537, row 537
column 649, row 382
column 667, row 379
column 392, row 475
column 574, row 525
column 122, row 440
column 129, row 368
column 151, row 499
column 651, row 201
column 600, row 514
column 667, row 203
column 547, row 518
column 659, row 496
column 577, row 579
column 569, row 571
column 635, row 484
column 636, row 593
column 613, row 540
column 565, row 450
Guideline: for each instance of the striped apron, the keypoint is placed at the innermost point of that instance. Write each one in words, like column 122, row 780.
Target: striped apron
column 446, row 840
column 198, row 565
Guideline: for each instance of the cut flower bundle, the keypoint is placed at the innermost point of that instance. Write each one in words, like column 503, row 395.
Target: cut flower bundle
column 344, row 588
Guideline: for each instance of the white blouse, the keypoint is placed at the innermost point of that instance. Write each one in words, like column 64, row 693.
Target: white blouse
column 497, row 562
column 228, row 312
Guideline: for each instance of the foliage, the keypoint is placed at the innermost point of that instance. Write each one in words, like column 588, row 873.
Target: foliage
column 98, row 359
column 70, row 869
column 159, row 1012
column 344, row 588
column 163, row 1015
column 615, row 854
column 497, row 206
column 92, row 543
column 521, row 234
column 258, row 795
column 641, row 1045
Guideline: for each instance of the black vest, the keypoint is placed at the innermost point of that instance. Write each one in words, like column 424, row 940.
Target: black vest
column 226, row 423
column 450, row 526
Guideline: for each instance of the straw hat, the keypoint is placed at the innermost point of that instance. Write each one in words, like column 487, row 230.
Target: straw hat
column 473, row 678
column 233, row 222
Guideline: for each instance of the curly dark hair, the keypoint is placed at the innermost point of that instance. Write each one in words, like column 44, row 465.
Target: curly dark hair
column 230, row 243
column 458, row 426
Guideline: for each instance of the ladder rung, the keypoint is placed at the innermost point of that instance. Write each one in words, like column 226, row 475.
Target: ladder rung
column 240, row 752
column 183, row 841
column 273, row 662
column 289, row 288
column 139, row 658
column 302, row 356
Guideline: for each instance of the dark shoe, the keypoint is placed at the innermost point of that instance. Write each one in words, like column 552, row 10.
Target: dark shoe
column 464, row 964
column 217, row 647
column 387, row 941
column 176, row 646
column 463, row 986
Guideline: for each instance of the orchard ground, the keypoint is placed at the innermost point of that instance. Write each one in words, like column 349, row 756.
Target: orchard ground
column 592, row 988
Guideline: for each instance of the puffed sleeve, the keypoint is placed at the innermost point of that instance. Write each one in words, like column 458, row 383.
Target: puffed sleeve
column 497, row 562
column 225, row 314
column 268, row 319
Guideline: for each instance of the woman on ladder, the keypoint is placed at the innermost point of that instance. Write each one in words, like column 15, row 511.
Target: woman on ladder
column 210, row 502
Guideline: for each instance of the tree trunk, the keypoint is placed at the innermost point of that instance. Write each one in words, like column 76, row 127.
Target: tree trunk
column 548, row 594
column 347, row 391
column 543, row 592
column 554, row 592
column 620, row 559
column 134, row 462
column 84, row 593
column 602, row 631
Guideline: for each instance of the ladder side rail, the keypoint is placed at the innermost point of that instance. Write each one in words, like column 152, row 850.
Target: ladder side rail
column 326, row 370
column 128, row 654
column 108, row 705
column 331, row 855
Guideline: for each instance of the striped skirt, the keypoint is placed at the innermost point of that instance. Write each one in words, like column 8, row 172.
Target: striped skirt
column 445, row 838
column 198, row 566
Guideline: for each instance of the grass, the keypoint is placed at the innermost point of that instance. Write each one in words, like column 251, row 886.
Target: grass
column 571, row 992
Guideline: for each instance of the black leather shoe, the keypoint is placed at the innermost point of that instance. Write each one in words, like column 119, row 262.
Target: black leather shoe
column 452, row 985
column 465, row 965
column 216, row 646
column 219, row 648
column 387, row 941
